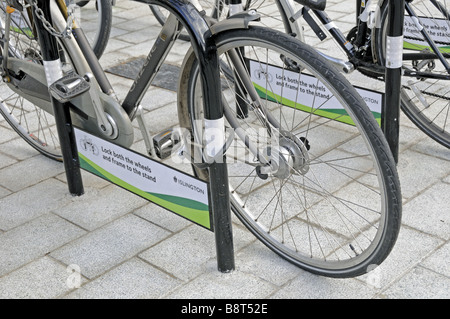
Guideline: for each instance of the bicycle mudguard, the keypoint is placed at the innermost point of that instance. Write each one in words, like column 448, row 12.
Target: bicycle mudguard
column 238, row 21
column 313, row 4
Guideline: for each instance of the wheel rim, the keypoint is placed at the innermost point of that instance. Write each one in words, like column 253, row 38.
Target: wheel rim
column 288, row 232
column 36, row 126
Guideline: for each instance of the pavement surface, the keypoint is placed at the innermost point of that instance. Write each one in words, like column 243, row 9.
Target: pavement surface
column 110, row 243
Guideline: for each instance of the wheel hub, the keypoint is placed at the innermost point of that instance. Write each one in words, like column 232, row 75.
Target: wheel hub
column 289, row 156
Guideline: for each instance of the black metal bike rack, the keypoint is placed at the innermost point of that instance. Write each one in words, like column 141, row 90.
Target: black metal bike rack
column 61, row 111
column 391, row 108
column 206, row 52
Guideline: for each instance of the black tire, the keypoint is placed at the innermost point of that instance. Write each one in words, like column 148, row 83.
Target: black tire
column 309, row 166
column 31, row 122
column 429, row 110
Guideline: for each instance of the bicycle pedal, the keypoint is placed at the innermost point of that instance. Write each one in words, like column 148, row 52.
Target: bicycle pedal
column 69, row 87
column 164, row 143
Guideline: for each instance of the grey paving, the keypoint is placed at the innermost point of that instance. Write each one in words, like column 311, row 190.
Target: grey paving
column 166, row 77
column 109, row 243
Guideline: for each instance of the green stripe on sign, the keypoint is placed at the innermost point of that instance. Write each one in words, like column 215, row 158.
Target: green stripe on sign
column 419, row 47
column 336, row 114
column 188, row 208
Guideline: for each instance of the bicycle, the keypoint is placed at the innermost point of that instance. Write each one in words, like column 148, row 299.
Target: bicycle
column 294, row 177
column 262, row 174
column 424, row 98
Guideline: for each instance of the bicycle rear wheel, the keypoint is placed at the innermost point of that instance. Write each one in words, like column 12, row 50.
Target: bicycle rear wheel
column 318, row 191
column 24, row 100
column 425, row 98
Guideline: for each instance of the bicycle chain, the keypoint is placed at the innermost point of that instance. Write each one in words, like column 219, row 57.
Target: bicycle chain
column 47, row 25
column 381, row 79
column 421, row 39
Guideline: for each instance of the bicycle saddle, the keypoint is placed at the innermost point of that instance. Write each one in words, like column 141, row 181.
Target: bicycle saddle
column 313, row 4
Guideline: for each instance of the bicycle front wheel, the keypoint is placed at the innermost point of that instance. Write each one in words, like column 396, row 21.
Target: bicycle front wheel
column 310, row 172
column 425, row 97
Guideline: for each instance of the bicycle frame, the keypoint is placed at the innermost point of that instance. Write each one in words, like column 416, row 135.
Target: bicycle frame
column 365, row 19
column 392, row 71
column 105, row 115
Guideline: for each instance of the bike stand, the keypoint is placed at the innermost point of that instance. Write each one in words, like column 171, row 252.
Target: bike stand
column 62, row 91
column 391, row 108
column 74, row 158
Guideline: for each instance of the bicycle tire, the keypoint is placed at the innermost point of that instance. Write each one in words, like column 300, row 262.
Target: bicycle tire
column 31, row 122
column 423, row 99
column 322, row 211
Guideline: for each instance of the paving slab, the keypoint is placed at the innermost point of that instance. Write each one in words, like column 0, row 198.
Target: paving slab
column 33, row 240
column 133, row 279
column 110, row 243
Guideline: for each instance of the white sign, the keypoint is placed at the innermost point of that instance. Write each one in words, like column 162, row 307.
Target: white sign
column 305, row 92
column 437, row 29
column 169, row 188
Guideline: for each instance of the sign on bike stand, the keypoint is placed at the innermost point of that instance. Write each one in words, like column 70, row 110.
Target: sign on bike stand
column 161, row 184
column 305, row 92
column 438, row 30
